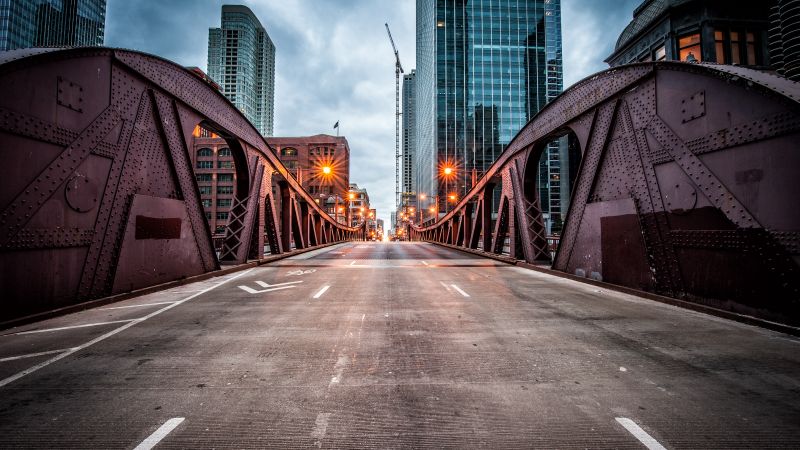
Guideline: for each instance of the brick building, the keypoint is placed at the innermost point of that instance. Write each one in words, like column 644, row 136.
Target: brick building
column 322, row 165
column 306, row 158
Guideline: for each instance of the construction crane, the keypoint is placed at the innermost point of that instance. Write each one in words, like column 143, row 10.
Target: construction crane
column 398, row 69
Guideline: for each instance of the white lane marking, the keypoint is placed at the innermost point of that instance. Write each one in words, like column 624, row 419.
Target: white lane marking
column 338, row 370
column 352, row 262
column 300, row 272
column 460, row 291
column 640, row 434
column 139, row 306
column 270, row 287
column 47, row 330
column 250, row 290
column 160, row 434
column 267, row 285
column 320, row 426
column 30, row 370
column 446, row 286
column 423, row 262
column 321, row 291
column 32, row 355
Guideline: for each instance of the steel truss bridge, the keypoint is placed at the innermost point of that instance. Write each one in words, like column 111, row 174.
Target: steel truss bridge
column 99, row 196
column 685, row 186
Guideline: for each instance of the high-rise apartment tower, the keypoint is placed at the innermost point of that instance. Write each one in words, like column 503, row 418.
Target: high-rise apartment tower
column 241, row 59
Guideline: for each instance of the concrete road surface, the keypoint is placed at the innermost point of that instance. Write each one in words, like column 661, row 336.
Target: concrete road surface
column 396, row 345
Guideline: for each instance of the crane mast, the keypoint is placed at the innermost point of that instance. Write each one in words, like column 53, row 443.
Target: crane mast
column 398, row 69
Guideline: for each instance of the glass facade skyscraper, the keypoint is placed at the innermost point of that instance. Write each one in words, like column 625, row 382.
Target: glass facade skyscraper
column 51, row 23
column 484, row 69
column 241, row 59
column 408, row 188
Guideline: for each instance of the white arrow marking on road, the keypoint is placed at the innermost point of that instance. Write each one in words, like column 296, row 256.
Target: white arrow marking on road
column 270, row 287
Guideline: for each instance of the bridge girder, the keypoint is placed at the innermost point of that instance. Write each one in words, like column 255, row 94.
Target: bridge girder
column 686, row 187
column 100, row 197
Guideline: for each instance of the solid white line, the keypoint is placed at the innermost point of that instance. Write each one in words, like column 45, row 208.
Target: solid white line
column 47, row 330
column 31, row 355
column 640, row 434
column 459, row 290
column 159, row 434
column 321, row 291
column 30, row 370
column 138, row 306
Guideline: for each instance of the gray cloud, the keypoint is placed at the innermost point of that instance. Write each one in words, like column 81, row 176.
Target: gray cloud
column 334, row 61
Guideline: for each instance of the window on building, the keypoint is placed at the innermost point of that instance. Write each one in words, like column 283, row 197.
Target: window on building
column 208, row 215
column 206, row 203
column 736, row 50
column 660, row 54
column 290, row 164
column 205, row 190
column 751, row 48
column 224, row 189
column 224, row 202
column 288, row 151
column 205, row 164
column 203, row 152
column 225, row 178
column 224, row 152
column 203, row 177
column 222, row 215
column 719, row 46
column 689, row 45
column 225, row 164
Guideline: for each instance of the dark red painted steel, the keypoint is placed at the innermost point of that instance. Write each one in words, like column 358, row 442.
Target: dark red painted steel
column 687, row 187
column 99, row 196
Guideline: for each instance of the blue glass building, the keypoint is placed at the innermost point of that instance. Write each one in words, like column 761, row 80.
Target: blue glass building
column 51, row 23
column 484, row 68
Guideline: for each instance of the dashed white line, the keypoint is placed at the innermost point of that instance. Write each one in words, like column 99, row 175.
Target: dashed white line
column 640, row 434
column 423, row 262
column 30, row 370
column 160, row 434
column 320, row 426
column 352, row 262
column 460, row 291
column 338, row 370
column 33, row 355
column 47, row 330
column 321, row 291
column 446, row 286
column 138, row 306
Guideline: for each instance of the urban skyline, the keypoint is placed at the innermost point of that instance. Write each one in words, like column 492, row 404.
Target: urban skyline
column 320, row 77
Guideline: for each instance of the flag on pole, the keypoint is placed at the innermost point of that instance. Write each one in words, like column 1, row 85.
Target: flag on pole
column 336, row 125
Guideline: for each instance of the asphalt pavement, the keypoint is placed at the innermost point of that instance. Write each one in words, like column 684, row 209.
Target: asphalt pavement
column 396, row 345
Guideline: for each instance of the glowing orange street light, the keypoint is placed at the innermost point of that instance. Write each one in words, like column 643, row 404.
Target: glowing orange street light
column 351, row 196
column 361, row 209
column 448, row 171
column 422, row 196
column 433, row 209
column 327, row 170
column 452, row 197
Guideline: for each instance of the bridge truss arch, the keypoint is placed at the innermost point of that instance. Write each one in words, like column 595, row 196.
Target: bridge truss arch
column 99, row 196
column 686, row 187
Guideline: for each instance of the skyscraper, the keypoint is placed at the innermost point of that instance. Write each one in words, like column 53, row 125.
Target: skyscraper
column 408, row 189
column 51, row 23
column 484, row 69
column 241, row 59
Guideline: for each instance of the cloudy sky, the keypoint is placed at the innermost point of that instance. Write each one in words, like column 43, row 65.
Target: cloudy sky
column 334, row 61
